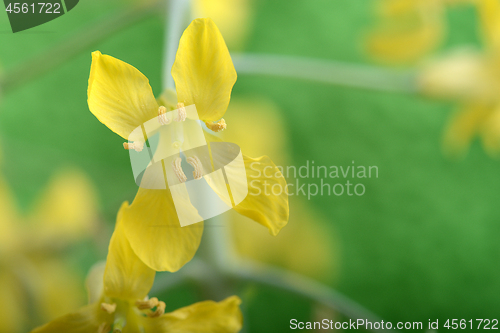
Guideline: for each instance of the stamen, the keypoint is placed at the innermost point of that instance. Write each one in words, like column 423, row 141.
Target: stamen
column 104, row 328
column 109, row 308
column 162, row 116
column 181, row 112
column 137, row 146
column 176, row 165
column 147, row 304
column 218, row 126
column 198, row 168
column 160, row 310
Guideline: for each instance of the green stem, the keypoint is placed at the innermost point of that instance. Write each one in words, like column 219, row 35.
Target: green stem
column 316, row 292
column 178, row 12
column 327, row 71
column 74, row 45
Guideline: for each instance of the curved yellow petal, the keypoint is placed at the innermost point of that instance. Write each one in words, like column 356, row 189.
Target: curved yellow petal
column 153, row 230
column 489, row 14
column 267, row 199
column 8, row 222
column 462, row 128
column 202, row 317
column 268, row 138
column 13, row 316
column 53, row 283
column 85, row 320
column 490, row 133
column 119, row 95
column 233, row 17
column 203, row 71
column 67, row 210
column 407, row 31
column 125, row 275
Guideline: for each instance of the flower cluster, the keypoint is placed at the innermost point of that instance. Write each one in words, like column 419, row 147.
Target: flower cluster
column 410, row 30
column 148, row 236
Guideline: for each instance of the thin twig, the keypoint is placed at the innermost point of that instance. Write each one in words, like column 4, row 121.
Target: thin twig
column 327, row 71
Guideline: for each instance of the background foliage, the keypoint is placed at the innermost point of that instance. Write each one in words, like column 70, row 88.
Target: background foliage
column 421, row 244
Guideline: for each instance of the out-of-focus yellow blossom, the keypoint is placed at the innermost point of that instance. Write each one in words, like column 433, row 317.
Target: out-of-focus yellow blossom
column 34, row 280
column 304, row 246
column 124, row 306
column 121, row 98
column 408, row 29
column 233, row 17
column 471, row 77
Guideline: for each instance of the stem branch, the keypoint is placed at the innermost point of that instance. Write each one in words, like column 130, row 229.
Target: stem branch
column 327, row 71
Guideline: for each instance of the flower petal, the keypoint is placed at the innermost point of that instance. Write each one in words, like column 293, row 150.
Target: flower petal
column 489, row 11
column 125, row 275
column 267, row 199
column 203, row 71
column 206, row 317
column 53, row 281
column 67, row 209
column 408, row 30
column 119, row 95
column 13, row 315
column 462, row 127
column 153, row 230
column 9, row 222
column 85, row 320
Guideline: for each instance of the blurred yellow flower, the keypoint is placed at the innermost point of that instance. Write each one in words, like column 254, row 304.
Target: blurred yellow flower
column 34, row 280
column 124, row 306
column 471, row 77
column 304, row 246
column 121, row 98
column 233, row 17
column 408, row 29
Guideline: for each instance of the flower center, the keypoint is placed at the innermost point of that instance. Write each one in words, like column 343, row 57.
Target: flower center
column 150, row 307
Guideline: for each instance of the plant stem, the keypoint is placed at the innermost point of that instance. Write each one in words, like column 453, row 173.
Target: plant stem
column 251, row 271
column 327, row 71
column 177, row 15
column 74, row 45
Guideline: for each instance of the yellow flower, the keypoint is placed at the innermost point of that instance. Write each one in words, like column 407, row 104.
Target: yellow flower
column 408, row 29
column 121, row 98
column 34, row 282
column 471, row 77
column 233, row 17
column 124, row 306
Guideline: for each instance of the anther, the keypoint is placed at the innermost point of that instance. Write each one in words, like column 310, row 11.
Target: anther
column 137, row 146
column 162, row 116
column 109, row 308
column 176, row 165
column 160, row 310
column 181, row 112
column 198, row 168
column 104, row 328
column 147, row 304
column 218, row 126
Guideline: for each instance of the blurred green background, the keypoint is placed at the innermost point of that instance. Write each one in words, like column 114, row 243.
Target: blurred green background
column 421, row 243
